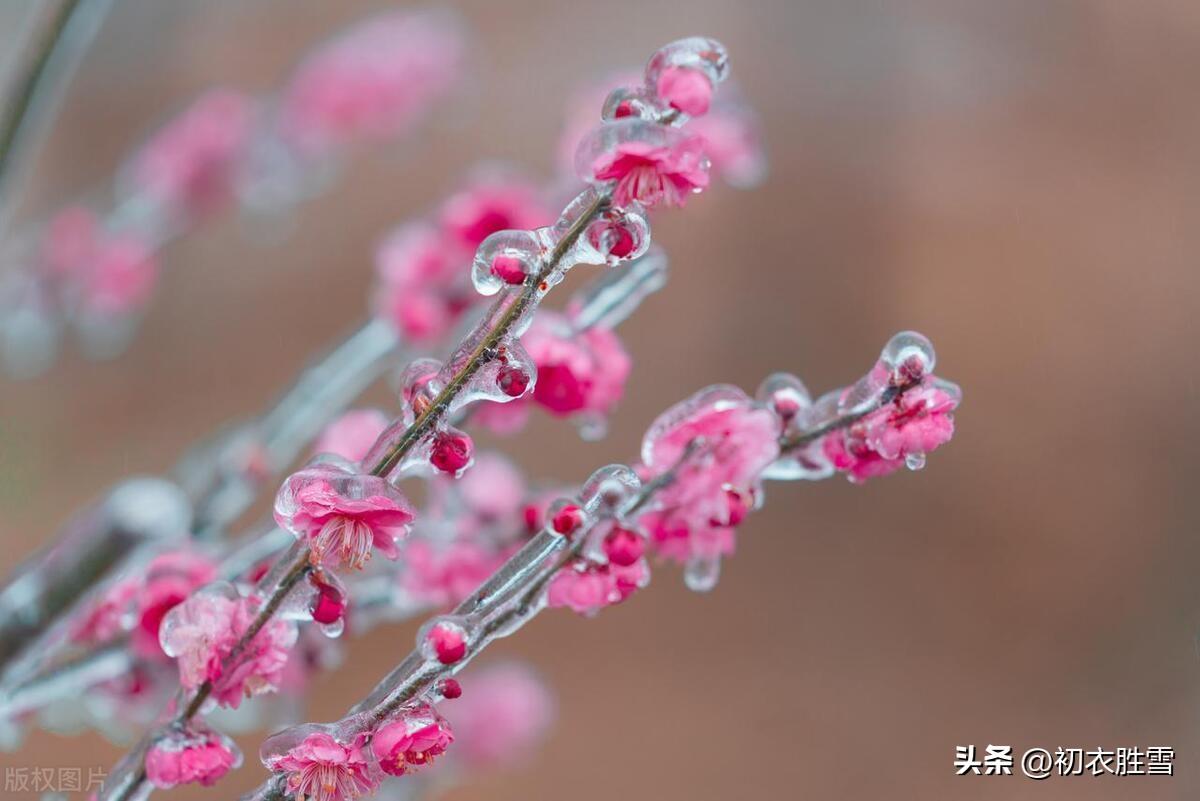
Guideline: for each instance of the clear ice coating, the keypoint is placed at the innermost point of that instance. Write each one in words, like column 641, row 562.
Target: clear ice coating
column 702, row 572
column 789, row 398
column 614, row 295
column 327, row 487
column 910, row 356
column 153, row 507
column 606, row 138
column 714, row 398
column 695, row 52
column 502, row 255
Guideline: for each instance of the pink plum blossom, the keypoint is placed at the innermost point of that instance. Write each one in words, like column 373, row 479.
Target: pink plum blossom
column 193, row 758
column 320, row 768
column 444, row 574
column 916, row 422
column 490, row 205
column 342, row 528
column 190, row 163
column 411, row 742
column 503, row 716
column 654, row 174
column 371, row 82
column 201, row 634
column 734, row 440
column 577, row 371
column 587, row 588
column 169, row 580
column 686, row 89
column 422, row 289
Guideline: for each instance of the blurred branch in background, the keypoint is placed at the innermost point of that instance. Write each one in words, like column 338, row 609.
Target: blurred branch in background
column 62, row 33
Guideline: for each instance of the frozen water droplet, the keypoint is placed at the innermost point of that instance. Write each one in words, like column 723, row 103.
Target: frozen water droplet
column 914, row 461
column 702, row 573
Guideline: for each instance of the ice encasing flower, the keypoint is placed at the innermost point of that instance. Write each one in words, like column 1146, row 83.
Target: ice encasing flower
column 319, row 768
column 343, row 516
column 586, row 588
column 651, row 174
column 202, row 632
column 914, row 423
column 169, row 580
column 411, row 742
column 194, row 757
column 734, row 439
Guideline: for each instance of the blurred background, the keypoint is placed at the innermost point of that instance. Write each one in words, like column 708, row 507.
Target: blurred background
column 1016, row 180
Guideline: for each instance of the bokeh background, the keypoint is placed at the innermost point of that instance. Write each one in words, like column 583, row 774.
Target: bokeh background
column 1018, row 180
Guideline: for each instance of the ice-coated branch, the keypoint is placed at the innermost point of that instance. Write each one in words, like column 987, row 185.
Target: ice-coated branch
column 701, row 466
column 342, row 511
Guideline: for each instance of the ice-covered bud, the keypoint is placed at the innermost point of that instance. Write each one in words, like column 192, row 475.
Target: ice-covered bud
column 567, row 519
column 509, row 269
column 623, row 547
column 451, row 451
column 201, row 635
column 506, row 258
column 446, row 641
column 118, row 275
column 502, row 719
column 696, row 53
column 412, row 741
column 645, row 163
column 513, row 381
column 342, row 515
column 190, row 164
column 684, row 88
column 320, row 767
column 450, row 689
column 328, row 602
column 193, row 756
column 352, row 435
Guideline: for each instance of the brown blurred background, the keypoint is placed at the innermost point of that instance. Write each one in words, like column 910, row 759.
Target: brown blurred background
column 1018, row 180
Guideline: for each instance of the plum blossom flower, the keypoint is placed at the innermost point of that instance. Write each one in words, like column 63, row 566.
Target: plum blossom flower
column 202, row 632
column 489, row 205
column 734, row 439
column 444, row 574
column 352, row 435
column 319, row 768
column 104, row 619
column 411, row 742
column 190, row 163
column 343, row 517
column 586, row 587
column 654, row 174
column 371, row 81
column 686, row 89
column 507, row 711
column 422, row 289
column 914, row 423
column 198, row 757
column 169, row 580
column 580, row 374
